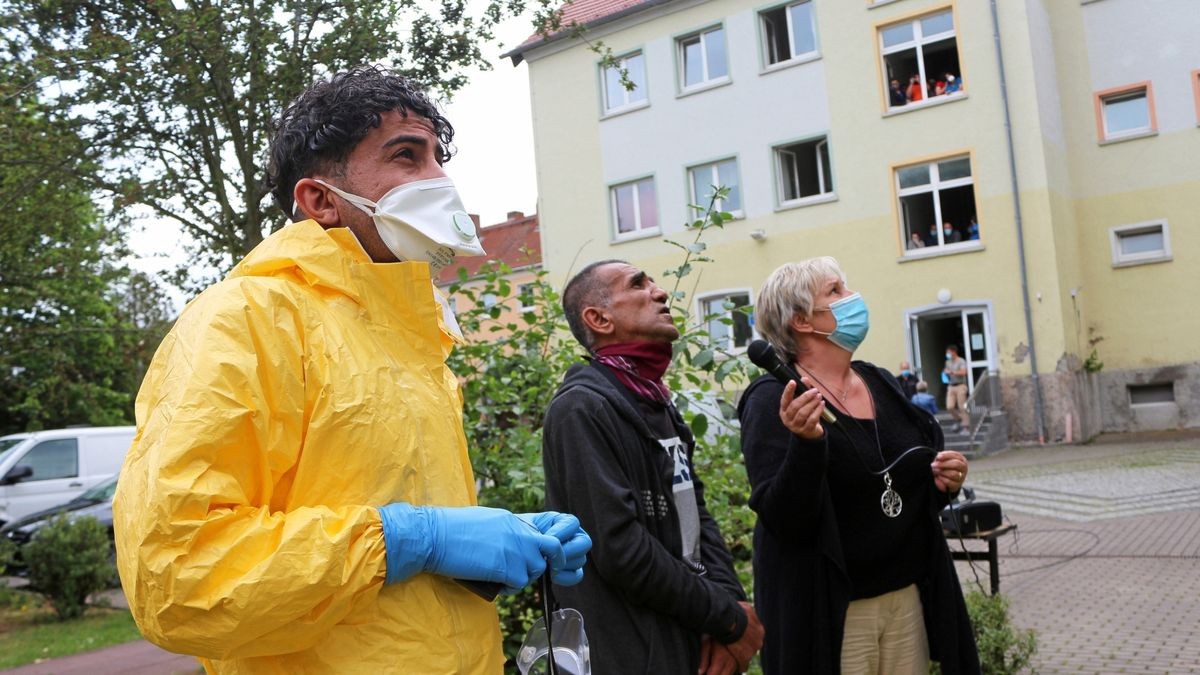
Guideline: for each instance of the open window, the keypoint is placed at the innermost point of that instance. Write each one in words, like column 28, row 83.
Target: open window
column 803, row 171
column 937, row 205
column 920, row 60
column 617, row 97
column 705, row 177
column 788, row 32
column 702, row 59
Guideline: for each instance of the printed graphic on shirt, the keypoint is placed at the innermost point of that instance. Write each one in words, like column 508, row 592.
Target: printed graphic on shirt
column 685, row 501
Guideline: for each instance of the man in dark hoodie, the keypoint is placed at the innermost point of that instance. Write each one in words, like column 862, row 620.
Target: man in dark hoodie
column 659, row 593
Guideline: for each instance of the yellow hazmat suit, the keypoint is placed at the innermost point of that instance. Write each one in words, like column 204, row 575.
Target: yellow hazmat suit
column 289, row 401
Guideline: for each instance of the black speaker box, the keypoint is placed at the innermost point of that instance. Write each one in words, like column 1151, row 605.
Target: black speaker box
column 971, row 517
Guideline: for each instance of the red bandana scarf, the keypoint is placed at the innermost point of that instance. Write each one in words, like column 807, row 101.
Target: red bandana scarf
column 640, row 367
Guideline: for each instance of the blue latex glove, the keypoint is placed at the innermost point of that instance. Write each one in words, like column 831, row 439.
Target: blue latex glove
column 468, row 542
column 575, row 542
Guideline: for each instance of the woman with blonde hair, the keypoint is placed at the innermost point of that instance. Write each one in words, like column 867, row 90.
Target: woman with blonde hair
column 852, row 573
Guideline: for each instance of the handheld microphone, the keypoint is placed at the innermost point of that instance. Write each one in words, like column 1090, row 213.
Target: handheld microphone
column 763, row 355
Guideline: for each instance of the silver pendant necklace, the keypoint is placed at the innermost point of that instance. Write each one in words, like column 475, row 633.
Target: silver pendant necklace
column 889, row 502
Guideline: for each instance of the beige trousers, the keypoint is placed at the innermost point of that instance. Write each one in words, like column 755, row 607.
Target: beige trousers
column 956, row 403
column 885, row 635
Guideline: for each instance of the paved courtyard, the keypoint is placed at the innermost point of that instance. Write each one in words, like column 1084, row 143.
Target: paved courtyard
column 1105, row 562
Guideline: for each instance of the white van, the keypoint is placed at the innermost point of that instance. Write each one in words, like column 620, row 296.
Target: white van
column 41, row 469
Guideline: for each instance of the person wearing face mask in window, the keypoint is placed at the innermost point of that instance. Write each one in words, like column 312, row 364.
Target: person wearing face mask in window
column 298, row 498
column 852, row 572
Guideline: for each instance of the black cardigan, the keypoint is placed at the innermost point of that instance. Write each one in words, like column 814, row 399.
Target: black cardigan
column 644, row 609
column 801, row 591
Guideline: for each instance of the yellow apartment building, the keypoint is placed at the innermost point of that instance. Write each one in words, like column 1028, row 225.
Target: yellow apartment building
column 1028, row 190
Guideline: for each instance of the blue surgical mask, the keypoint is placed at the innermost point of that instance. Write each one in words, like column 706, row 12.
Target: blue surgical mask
column 947, row 356
column 906, row 373
column 853, row 320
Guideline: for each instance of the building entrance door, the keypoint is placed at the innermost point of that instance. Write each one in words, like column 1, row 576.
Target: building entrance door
column 932, row 330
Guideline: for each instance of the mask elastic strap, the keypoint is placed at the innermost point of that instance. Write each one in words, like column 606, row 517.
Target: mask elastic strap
column 365, row 205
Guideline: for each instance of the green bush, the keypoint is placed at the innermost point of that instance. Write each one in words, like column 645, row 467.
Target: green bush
column 68, row 561
column 1003, row 648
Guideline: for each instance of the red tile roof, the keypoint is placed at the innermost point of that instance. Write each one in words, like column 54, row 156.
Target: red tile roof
column 582, row 13
column 516, row 241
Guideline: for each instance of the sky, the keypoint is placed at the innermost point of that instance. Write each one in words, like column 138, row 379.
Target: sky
column 493, row 168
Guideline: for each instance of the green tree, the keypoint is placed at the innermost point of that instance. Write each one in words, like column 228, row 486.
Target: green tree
column 174, row 98
column 62, row 338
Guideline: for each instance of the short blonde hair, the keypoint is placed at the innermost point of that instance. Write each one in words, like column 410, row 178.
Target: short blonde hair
column 788, row 292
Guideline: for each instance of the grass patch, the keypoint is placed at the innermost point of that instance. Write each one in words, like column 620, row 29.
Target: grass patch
column 30, row 630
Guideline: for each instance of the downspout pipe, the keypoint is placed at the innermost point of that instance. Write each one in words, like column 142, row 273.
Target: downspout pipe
column 1038, row 404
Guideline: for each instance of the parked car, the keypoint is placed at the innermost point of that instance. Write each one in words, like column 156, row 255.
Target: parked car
column 41, row 469
column 96, row 502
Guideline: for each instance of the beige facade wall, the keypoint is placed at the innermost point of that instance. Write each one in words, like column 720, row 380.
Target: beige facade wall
column 1072, row 189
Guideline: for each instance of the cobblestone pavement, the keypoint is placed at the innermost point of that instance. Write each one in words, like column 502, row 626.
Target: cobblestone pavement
column 1111, row 584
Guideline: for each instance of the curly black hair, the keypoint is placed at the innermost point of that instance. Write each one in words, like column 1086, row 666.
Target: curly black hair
column 320, row 129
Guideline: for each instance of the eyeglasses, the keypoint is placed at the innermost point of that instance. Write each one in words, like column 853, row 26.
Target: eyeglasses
column 563, row 637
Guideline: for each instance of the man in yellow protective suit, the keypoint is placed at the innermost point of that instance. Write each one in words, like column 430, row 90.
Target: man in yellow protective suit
column 298, row 498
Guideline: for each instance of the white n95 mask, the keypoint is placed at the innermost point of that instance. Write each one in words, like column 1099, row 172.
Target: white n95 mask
column 421, row 220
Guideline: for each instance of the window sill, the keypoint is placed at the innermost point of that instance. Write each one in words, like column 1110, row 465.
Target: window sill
column 1134, row 262
column 940, row 251
column 1130, row 137
column 790, row 63
column 635, row 236
column 704, row 86
column 807, row 201
column 926, row 103
column 880, row 3
column 623, row 110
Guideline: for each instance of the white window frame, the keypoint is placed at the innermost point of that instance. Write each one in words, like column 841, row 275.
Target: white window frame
column 489, row 300
column 918, row 41
column 1120, row 259
column 826, row 192
column 1142, row 91
column 639, row 230
column 681, row 56
column 708, row 298
column 626, row 105
column 935, row 186
column 793, row 56
column 716, row 181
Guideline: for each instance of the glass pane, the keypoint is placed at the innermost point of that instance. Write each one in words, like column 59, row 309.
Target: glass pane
column 53, row 459
column 897, row 34
column 626, row 221
column 789, row 175
column 1128, row 113
column 613, row 91
column 636, row 65
column 727, row 175
column 911, row 176
column 938, row 23
column 702, row 178
column 714, row 45
column 742, row 333
column 718, row 330
column 803, row 40
column 693, row 65
column 954, row 168
column 1141, row 242
column 919, row 218
column 647, row 204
